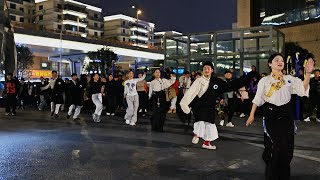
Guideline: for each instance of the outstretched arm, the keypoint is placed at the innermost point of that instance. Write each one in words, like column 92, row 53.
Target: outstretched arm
column 309, row 69
column 189, row 96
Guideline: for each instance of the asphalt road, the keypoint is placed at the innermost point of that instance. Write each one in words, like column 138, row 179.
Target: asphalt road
column 35, row 146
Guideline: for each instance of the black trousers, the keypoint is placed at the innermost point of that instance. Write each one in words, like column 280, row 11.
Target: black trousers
column 11, row 103
column 232, row 106
column 278, row 141
column 159, row 113
column 112, row 103
column 143, row 97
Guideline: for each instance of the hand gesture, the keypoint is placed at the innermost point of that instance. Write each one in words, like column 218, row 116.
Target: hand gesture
column 310, row 65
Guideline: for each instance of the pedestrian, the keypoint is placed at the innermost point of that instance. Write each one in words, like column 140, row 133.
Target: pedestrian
column 230, row 101
column 274, row 93
column 57, row 88
column 111, row 95
column 142, row 89
column 171, row 95
column 132, row 98
column 202, row 97
column 22, row 94
column 10, row 93
column 313, row 100
column 96, row 92
column 158, row 98
column 76, row 91
column 43, row 94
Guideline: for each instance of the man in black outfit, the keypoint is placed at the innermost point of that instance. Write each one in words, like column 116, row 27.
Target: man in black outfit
column 57, row 86
column 76, row 89
column 10, row 92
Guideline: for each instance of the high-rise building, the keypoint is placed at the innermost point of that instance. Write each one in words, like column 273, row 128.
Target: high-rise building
column 70, row 16
column 130, row 30
column 21, row 11
column 158, row 37
column 299, row 20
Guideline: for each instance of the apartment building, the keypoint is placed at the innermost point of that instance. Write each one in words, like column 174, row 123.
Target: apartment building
column 70, row 16
column 158, row 37
column 129, row 30
column 21, row 11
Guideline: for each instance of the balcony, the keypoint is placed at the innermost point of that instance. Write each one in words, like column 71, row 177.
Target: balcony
column 16, row 12
column 95, row 28
column 74, row 23
column 95, row 18
column 75, row 13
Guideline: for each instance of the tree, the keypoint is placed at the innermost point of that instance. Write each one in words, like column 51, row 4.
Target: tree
column 24, row 58
column 102, row 59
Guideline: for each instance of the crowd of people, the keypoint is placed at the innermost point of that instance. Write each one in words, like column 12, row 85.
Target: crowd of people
column 197, row 94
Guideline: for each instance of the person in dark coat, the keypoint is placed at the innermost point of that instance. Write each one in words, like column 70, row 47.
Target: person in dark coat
column 57, row 86
column 76, row 92
column 10, row 94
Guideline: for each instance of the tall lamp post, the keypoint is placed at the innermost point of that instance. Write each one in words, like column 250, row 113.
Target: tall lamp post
column 138, row 13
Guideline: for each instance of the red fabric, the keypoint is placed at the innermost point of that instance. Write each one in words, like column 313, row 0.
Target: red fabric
column 176, row 87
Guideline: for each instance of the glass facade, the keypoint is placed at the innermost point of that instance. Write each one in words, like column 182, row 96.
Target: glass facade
column 238, row 49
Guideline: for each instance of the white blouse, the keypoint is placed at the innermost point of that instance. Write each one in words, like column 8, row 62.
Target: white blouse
column 282, row 96
column 160, row 84
column 130, row 86
column 198, row 88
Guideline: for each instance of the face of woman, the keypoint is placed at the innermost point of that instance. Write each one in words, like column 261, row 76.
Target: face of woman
column 110, row 77
column 88, row 78
column 130, row 75
column 277, row 63
column 207, row 71
column 139, row 75
column 157, row 73
column 96, row 77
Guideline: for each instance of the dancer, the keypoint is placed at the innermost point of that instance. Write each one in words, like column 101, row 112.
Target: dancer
column 97, row 91
column 274, row 92
column 111, row 95
column 10, row 93
column 132, row 97
column 142, row 88
column 203, row 94
column 158, row 98
column 76, row 91
column 57, row 88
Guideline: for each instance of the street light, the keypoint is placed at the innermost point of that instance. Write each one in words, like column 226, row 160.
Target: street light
column 138, row 13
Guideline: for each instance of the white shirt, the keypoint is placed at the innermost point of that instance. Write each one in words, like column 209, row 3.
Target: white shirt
column 292, row 85
column 185, row 83
column 160, row 84
column 51, row 84
column 198, row 88
column 130, row 86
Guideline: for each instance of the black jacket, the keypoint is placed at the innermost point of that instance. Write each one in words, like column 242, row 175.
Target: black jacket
column 76, row 92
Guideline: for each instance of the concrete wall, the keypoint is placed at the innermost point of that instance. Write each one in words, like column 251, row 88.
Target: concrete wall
column 308, row 37
column 244, row 13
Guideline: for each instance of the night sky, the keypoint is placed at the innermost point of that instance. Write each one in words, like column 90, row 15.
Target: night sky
column 185, row 16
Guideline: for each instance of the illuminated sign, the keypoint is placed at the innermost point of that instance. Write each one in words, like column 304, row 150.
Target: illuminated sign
column 38, row 73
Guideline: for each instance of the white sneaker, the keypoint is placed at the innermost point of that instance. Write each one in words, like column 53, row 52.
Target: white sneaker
column 210, row 147
column 132, row 124
column 318, row 120
column 242, row 115
column 98, row 119
column 108, row 114
column 7, row 114
column 221, row 123
column 140, row 110
column 94, row 117
column 112, row 114
column 146, row 110
column 195, row 140
column 229, row 124
column 307, row 119
column 127, row 122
